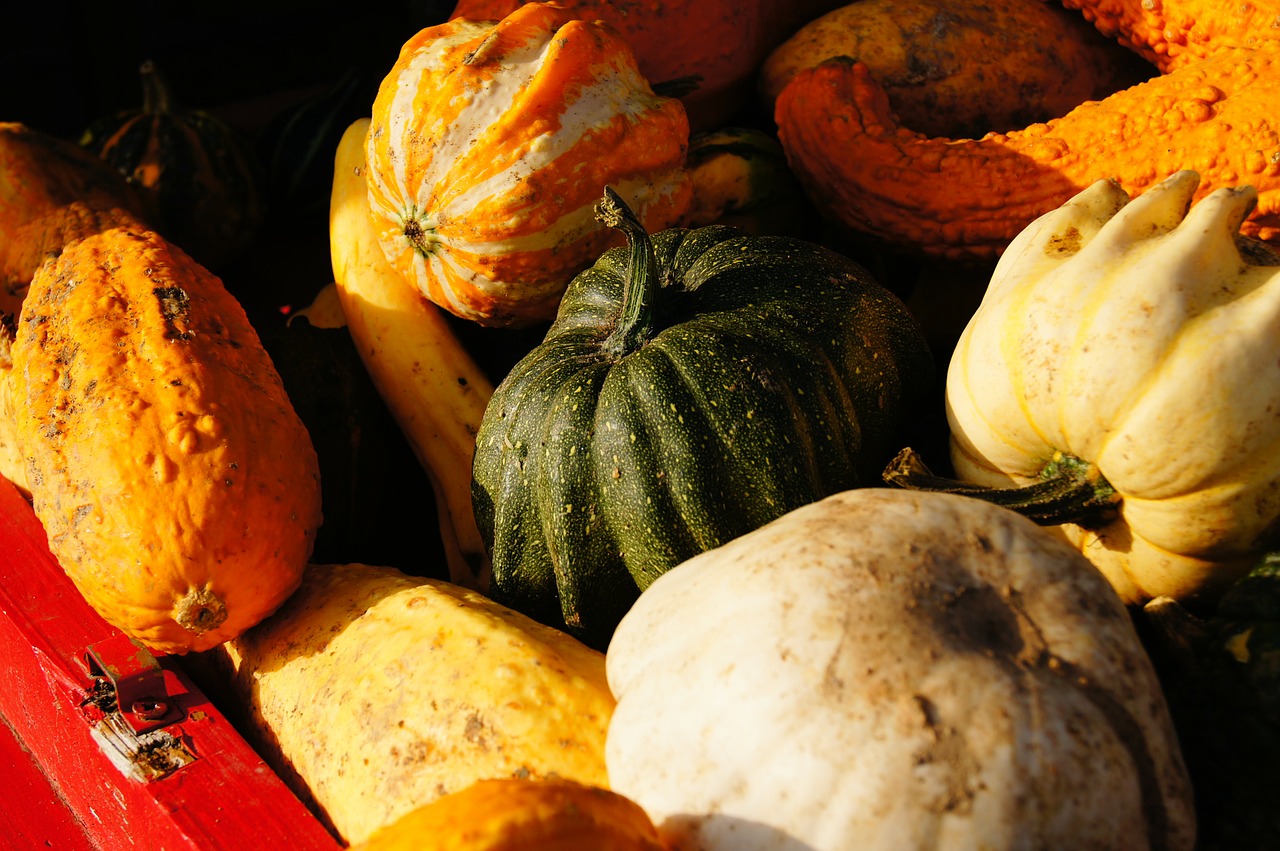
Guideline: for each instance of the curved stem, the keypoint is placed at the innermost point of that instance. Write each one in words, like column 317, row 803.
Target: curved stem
column 155, row 91
column 1069, row 491
column 635, row 323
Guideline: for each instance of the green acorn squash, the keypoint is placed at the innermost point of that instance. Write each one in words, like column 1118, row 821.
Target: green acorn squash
column 693, row 386
column 199, row 177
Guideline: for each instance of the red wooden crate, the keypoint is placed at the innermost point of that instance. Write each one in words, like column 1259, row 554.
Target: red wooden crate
column 79, row 698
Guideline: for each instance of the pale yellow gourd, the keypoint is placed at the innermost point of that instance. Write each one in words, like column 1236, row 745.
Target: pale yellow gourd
column 374, row 693
column 1135, row 337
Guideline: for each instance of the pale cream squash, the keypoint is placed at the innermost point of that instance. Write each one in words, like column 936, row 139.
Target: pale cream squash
column 1137, row 338
column 892, row 669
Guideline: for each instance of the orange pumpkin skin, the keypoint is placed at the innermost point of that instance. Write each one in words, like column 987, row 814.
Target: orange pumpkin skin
column 490, row 144
column 513, row 814
column 39, row 176
column 178, row 488
column 723, row 42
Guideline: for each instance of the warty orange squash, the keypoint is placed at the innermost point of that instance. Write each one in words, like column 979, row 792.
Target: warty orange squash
column 178, row 488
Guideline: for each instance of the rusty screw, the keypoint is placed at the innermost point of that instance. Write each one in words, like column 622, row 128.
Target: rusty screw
column 149, row 709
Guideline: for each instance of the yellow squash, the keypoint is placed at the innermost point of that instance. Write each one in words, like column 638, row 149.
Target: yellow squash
column 376, row 693
column 431, row 384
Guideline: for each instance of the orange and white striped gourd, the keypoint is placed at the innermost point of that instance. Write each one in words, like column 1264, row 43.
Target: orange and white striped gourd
column 491, row 141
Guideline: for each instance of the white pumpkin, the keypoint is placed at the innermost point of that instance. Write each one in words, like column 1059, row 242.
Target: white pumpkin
column 890, row 669
column 1136, row 337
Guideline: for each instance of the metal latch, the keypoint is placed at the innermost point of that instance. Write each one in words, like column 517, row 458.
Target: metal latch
column 129, row 704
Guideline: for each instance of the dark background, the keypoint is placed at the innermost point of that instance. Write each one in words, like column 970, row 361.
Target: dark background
column 65, row 63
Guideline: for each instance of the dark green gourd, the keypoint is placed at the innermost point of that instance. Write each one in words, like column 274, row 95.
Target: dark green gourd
column 198, row 175
column 695, row 385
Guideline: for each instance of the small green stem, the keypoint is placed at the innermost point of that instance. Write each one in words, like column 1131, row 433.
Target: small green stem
column 635, row 324
column 1069, row 491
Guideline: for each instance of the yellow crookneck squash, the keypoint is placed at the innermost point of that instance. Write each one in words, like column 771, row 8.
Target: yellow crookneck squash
column 491, row 142
column 178, row 488
column 431, row 384
column 1132, row 346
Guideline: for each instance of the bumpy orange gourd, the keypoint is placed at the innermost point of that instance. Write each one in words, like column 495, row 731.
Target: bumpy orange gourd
column 29, row 245
column 515, row 814
column 968, row 198
column 178, row 488
column 722, row 42
column 1173, row 33
column 490, row 144
column 40, row 175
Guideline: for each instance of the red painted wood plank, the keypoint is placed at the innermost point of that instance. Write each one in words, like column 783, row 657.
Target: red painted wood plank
column 31, row 813
column 226, row 798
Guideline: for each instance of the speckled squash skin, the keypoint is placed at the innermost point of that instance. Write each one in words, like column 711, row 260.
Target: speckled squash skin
column 31, row 243
column 764, row 373
column 40, row 175
column 13, row 466
column 488, row 145
column 515, row 814
column 178, row 488
column 968, row 198
column 375, row 693
column 887, row 670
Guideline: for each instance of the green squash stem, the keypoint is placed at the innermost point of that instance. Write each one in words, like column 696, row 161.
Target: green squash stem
column 1070, row 490
column 635, row 322
column 156, row 99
